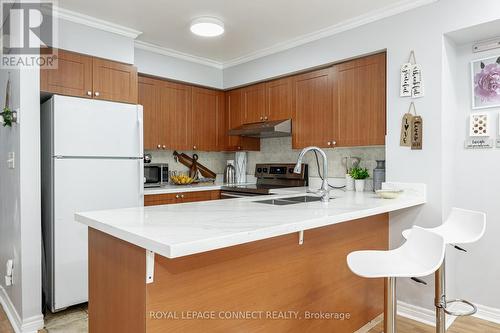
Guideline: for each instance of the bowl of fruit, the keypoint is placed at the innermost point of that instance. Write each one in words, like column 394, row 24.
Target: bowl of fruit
column 181, row 178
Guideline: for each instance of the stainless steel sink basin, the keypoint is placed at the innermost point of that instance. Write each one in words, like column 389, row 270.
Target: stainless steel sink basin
column 289, row 200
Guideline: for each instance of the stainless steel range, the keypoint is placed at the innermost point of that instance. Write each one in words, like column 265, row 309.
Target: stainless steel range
column 269, row 177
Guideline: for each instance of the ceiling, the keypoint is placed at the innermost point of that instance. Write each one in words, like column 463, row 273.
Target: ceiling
column 252, row 27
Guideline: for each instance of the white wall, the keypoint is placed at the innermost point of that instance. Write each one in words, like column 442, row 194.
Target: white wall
column 422, row 30
column 475, row 186
column 177, row 69
column 20, row 227
column 87, row 40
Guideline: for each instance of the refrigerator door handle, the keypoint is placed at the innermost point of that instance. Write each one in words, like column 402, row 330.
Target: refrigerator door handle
column 141, row 129
column 141, row 182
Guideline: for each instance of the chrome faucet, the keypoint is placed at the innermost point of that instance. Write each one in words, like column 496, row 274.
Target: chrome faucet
column 324, row 191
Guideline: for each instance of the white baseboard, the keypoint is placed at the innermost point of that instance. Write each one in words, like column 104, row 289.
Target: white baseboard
column 427, row 316
column 421, row 315
column 483, row 312
column 28, row 325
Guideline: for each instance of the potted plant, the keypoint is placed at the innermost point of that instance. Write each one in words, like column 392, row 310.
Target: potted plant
column 359, row 175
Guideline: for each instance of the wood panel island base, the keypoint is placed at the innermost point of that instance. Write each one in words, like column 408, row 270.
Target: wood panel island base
column 270, row 285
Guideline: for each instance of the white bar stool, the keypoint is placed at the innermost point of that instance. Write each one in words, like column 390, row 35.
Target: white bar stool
column 461, row 227
column 420, row 255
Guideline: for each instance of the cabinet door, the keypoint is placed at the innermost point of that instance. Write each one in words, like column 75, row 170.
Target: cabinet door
column 312, row 107
column 72, row 77
column 279, row 99
column 114, row 81
column 175, row 115
column 207, row 106
column 360, row 94
column 234, row 118
column 160, row 199
column 254, row 103
column 149, row 99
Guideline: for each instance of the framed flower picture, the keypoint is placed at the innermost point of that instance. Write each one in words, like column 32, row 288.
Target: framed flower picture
column 486, row 83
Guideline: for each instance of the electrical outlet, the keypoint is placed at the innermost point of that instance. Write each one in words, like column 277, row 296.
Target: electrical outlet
column 11, row 160
column 10, row 271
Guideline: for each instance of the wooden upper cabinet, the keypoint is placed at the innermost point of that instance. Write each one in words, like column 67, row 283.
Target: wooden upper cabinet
column 360, row 95
column 234, row 117
column 312, row 109
column 148, row 95
column 208, row 119
column 279, row 96
column 85, row 76
column 114, row 81
column 254, row 103
column 175, row 115
column 72, row 77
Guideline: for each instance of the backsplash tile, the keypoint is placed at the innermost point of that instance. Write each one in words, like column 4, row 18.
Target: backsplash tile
column 215, row 161
column 278, row 150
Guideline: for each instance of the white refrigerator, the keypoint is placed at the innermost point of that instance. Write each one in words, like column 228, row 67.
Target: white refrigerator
column 92, row 159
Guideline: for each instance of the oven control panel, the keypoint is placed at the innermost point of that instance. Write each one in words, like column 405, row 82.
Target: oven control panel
column 282, row 171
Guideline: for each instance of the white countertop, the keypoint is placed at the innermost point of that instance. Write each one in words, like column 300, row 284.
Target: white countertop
column 182, row 229
column 186, row 188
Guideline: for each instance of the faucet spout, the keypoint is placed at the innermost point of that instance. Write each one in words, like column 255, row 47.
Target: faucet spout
column 324, row 191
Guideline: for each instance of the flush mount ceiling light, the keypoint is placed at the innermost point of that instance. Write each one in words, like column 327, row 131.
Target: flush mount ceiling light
column 207, row 27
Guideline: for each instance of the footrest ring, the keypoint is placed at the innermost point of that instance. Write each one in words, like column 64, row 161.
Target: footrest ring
column 460, row 314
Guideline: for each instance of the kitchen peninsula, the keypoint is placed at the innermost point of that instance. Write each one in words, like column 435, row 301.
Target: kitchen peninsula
column 238, row 264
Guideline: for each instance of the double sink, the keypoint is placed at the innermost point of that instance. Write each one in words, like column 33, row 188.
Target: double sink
column 290, row 200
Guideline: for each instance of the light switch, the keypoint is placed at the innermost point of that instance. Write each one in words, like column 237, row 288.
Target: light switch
column 11, row 160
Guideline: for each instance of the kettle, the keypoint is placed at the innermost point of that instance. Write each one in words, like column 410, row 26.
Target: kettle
column 229, row 173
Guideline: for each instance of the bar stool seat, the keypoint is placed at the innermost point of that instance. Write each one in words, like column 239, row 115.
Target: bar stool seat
column 461, row 227
column 421, row 255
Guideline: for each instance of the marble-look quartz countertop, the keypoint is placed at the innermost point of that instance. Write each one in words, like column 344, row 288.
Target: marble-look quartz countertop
column 188, row 228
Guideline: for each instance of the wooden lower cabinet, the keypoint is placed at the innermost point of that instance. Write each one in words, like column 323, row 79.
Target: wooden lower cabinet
column 181, row 197
column 268, row 279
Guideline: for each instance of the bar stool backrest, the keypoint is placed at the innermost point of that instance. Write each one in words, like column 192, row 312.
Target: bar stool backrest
column 463, row 226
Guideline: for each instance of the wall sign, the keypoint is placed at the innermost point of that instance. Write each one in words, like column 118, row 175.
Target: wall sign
column 479, row 143
column 412, row 83
column 405, row 140
column 411, row 129
column 416, row 133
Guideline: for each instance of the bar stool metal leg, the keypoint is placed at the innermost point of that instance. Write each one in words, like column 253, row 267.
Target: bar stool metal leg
column 390, row 308
column 440, row 298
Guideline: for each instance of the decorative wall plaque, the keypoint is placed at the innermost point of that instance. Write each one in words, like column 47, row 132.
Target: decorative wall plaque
column 479, row 143
column 412, row 83
column 417, row 127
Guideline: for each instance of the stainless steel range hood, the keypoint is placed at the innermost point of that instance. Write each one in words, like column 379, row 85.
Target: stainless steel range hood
column 268, row 129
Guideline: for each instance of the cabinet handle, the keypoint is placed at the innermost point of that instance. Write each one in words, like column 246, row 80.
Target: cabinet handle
column 177, row 196
column 182, row 196
column 96, row 94
column 334, row 143
column 329, row 143
column 238, row 147
column 265, row 118
column 164, row 146
column 89, row 93
column 159, row 146
column 261, row 118
column 194, row 147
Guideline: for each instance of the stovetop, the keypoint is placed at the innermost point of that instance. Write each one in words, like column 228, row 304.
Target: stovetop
column 272, row 176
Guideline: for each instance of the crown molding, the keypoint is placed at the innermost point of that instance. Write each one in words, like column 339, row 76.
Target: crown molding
column 93, row 22
column 349, row 24
column 177, row 54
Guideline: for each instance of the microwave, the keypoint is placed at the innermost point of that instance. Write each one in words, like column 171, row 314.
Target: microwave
column 155, row 175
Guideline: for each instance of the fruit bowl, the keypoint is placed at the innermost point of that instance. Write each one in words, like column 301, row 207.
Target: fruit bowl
column 181, row 179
